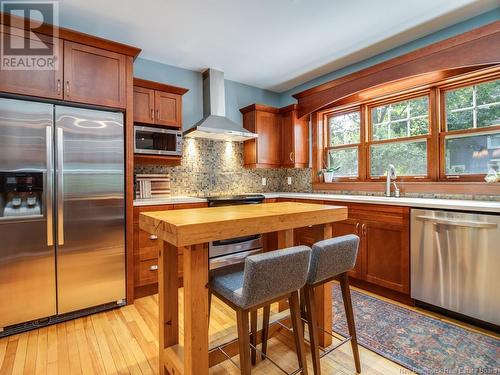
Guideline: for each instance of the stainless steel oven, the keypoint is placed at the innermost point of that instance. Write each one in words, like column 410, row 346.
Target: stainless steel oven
column 234, row 250
column 157, row 141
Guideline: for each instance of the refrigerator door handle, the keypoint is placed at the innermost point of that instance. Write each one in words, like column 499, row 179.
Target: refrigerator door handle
column 60, row 188
column 50, row 187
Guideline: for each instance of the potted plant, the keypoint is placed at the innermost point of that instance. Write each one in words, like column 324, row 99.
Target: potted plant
column 328, row 173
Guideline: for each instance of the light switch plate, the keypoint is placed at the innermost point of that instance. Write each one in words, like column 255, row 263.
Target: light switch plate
column 264, row 181
column 289, row 180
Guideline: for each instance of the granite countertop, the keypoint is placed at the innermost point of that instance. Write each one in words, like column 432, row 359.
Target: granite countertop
column 449, row 204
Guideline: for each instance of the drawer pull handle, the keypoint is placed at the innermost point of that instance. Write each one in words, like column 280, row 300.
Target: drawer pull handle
column 154, row 267
column 153, row 237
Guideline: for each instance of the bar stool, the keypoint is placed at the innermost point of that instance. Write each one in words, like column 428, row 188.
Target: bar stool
column 264, row 279
column 330, row 259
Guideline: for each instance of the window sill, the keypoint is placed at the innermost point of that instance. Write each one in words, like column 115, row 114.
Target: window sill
column 430, row 187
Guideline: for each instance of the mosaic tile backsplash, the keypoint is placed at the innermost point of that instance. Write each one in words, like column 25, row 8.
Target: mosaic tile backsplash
column 216, row 168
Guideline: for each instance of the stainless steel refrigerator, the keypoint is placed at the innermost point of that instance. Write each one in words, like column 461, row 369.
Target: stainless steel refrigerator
column 62, row 217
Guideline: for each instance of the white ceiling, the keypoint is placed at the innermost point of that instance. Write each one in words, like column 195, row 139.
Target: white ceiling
column 272, row 44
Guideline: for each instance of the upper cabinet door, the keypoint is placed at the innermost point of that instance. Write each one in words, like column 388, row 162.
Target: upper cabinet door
column 41, row 83
column 144, row 105
column 269, row 141
column 287, row 141
column 94, row 76
column 168, row 109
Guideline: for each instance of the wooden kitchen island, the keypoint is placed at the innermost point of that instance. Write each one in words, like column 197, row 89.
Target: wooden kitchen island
column 192, row 230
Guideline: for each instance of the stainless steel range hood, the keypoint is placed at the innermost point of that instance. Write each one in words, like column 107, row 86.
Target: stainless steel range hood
column 215, row 124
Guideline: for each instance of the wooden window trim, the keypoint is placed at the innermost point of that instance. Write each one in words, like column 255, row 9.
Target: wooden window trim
column 359, row 145
column 428, row 137
column 436, row 177
column 443, row 133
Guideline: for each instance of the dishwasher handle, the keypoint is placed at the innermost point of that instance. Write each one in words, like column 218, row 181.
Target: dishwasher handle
column 458, row 223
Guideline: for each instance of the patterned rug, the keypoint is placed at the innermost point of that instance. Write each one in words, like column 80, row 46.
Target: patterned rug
column 420, row 343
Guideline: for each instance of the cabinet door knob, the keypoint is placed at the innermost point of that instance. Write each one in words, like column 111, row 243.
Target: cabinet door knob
column 58, row 86
column 357, row 228
column 157, row 114
column 154, row 267
column 67, row 87
column 153, row 237
column 152, row 114
column 363, row 229
column 291, row 156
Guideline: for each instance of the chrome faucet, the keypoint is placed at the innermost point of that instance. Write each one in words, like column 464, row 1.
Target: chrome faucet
column 391, row 177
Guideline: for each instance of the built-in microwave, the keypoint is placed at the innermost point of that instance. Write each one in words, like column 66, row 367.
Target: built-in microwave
column 157, row 141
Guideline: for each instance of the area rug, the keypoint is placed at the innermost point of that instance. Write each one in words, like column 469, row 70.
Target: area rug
column 420, row 343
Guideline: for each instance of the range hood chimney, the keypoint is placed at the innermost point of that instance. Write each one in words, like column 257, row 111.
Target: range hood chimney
column 215, row 124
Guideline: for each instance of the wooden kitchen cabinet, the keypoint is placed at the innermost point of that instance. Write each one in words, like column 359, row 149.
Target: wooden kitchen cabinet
column 94, row 76
column 168, row 108
column 264, row 151
column 146, row 251
column 144, row 105
column 294, row 139
column 283, row 139
column 157, row 103
column 351, row 226
column 383, row 260
column 41, row 83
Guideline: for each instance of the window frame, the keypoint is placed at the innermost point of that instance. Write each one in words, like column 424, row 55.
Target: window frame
column 443, row 132
column 435, row 139
column 428, row 137
column 327, row 148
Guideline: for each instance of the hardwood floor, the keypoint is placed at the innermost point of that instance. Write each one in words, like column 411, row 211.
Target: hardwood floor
column 125, row 341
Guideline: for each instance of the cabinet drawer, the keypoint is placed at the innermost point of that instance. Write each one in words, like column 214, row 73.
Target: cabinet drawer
column 148, row 272
column 148, row 246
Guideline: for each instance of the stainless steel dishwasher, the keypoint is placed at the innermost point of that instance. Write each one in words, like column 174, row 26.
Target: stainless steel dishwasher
column 455, row 262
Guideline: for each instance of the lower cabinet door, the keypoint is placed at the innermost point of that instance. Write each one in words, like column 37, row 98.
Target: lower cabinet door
column 351, row 226
column 387, row 255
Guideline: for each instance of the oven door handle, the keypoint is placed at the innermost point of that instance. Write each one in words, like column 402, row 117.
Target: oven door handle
column 235, row 241
column 226, row 260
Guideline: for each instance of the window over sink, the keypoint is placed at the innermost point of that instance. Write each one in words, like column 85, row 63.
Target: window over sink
column 446, row 132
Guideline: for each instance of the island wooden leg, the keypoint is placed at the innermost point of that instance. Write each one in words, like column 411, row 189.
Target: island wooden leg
column 196, row 310
column 324, row 308
column 168, row 300
column 285, row 239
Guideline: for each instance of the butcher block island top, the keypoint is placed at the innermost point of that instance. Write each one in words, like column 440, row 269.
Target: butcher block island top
column 198, row 225
column 192, row 230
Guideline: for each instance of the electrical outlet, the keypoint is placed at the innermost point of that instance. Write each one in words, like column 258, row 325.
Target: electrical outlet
column 289, row 180
column 264, row 181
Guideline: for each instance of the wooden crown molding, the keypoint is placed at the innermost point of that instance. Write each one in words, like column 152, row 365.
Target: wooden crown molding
column 75, row 36
column 259, row 107
column 470, row 49
column 160, row 86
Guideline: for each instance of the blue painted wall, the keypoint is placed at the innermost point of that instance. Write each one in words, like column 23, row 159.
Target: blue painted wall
column 238, row 95
column 472, row 23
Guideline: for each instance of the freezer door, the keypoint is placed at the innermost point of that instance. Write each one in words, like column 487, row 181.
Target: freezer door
column 454, row 262
column 90, row 208
column 27, row 259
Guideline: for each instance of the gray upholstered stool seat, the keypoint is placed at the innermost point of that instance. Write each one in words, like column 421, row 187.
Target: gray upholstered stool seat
column 261, row 280
column 330, row 259
column 263, row 277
